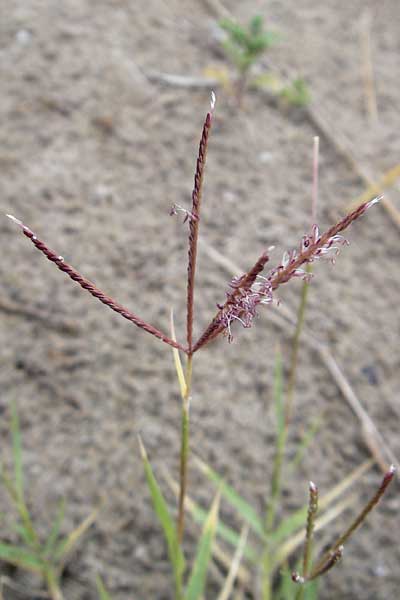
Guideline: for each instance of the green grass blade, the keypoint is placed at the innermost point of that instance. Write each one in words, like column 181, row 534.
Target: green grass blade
column 161, row 509
column 17, row 453
column 20, row 558
column 225, row 532
column 244, row 509
column 24, row 534
column 306, row 439
column 103, row 594
column 8, row 483
column 198, row 575
column 311, row 590
column 65, row 546
column 280, row 444
column 55, row 530
column 285, row 590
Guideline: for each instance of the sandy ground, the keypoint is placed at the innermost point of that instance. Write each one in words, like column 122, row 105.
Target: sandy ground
column 92, row 156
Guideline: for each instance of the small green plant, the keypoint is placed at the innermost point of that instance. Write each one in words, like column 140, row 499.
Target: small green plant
column 46, row 558
column 296, row 93
column 244, row 45
column 247, row 294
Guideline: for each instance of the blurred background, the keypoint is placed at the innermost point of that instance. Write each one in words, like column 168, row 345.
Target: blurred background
column 101, row 108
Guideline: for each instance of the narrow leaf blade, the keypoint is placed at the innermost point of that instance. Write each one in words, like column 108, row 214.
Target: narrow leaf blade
column 245, row 510
column 165, row 519
column 55, row 530
column 103, row 594
column 198, row 576
column 20, row 558
column 67, row 544
column 17, row 452
column 177, row 359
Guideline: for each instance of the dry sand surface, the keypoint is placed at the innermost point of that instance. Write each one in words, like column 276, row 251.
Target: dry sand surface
column 92, row 155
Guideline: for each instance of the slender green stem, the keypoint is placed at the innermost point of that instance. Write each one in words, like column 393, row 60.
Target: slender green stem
column 266, row 590
column 53, row 585
column 275, row 483
column 304, row 292
column 185, row 430
column 28, row 525
column 307, row 555
column 280, row 444
column 296, row 347
column 312, row 512
column 276, row 475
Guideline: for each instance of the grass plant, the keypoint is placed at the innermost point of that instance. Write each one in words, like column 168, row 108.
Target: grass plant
column 244, row 45
column 44, row 557
column 263, row 545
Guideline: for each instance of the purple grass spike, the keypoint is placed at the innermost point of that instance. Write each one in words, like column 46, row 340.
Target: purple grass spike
column 242, row 307
column 91, row 288
column 194, row 221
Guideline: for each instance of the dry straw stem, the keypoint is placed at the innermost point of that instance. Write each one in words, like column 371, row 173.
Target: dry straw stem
column 387, row 180
column 226, row 591
column 91, row 288
column 367, row 68
column 322, row 121
column 304, row 292
column 320, row 567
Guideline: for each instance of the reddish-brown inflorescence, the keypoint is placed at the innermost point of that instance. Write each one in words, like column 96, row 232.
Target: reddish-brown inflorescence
column 194, row 218
column 241, row 304
column 91, row 288
column 247, row 292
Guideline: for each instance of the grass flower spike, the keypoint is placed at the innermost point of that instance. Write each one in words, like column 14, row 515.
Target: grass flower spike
column 253, row 289
column 91, row 288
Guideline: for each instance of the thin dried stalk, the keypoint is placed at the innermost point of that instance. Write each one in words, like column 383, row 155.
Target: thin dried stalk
column 194, row 218
column 367, row 68
column 334, row 554
column 304, row 292
column 320, row 567
column 91, row 288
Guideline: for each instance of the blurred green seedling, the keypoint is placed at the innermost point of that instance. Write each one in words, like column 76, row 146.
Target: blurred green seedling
column 244, row 46
column 46, row 558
